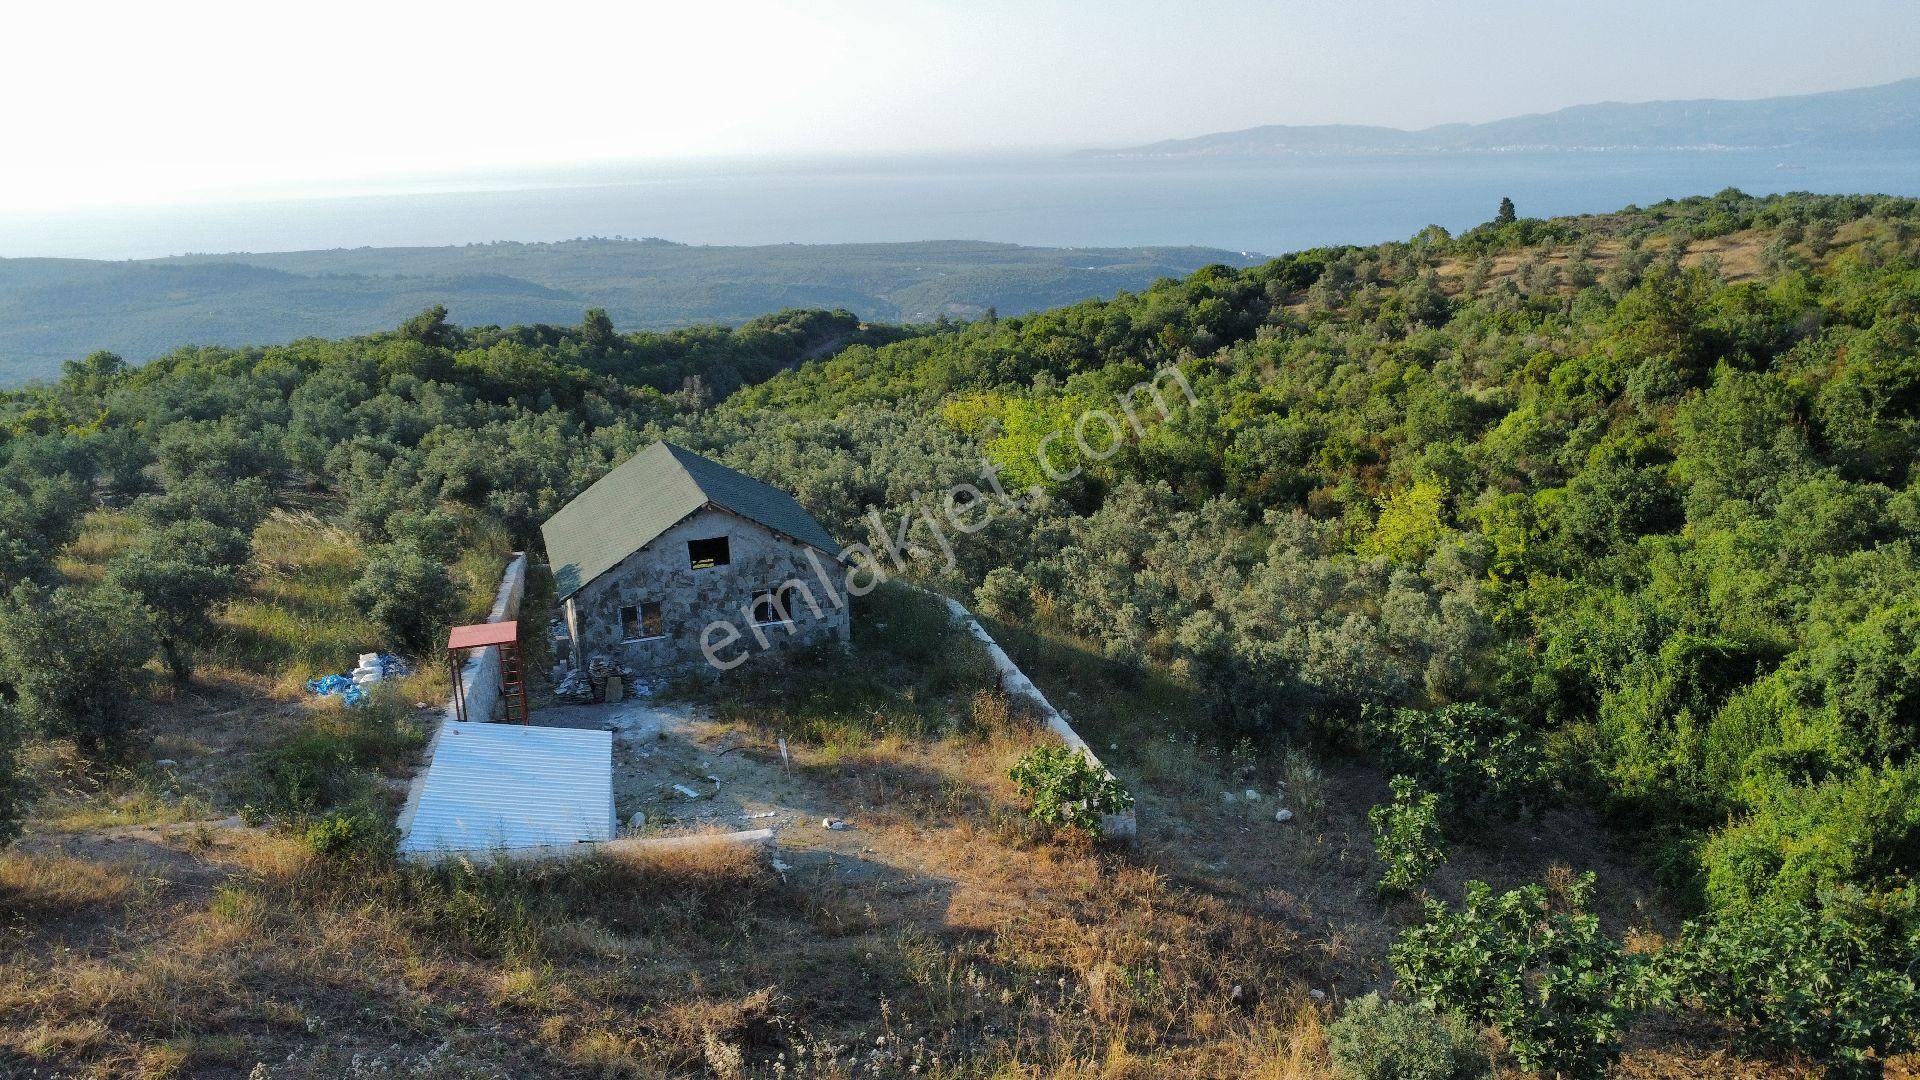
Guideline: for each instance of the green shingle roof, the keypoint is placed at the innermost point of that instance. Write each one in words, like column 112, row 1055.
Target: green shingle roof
column 653, row 491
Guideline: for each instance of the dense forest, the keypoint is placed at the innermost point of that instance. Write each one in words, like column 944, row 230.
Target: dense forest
column 52, row 310
column 1619, row 510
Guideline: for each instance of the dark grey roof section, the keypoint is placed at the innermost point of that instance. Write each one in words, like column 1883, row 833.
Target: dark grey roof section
column 651, row 492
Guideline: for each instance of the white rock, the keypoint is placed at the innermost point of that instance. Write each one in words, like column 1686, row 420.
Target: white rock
column 1317, row 995
column 166, row 762
column 638, row 821
column 1251, row 795
column 1283, row 814
column 1228, row 796
column 687, row 791
column 835, row 824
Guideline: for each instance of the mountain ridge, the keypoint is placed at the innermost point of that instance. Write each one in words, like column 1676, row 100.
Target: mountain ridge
column 52, row 310
column 1863, row 117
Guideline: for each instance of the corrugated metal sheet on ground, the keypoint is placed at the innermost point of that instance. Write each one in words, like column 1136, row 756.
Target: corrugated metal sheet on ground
column 494, row 786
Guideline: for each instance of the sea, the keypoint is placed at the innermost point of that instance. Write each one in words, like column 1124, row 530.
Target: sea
column 1254, row 205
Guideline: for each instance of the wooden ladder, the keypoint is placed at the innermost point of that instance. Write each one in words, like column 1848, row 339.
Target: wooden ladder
column 513, row 683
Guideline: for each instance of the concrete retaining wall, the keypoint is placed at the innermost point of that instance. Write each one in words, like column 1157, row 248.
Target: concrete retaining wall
column 1122, row 826
column 481, row 675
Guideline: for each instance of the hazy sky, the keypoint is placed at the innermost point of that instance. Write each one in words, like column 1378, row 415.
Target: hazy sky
column 154, row 102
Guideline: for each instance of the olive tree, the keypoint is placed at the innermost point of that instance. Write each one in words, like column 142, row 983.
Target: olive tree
column 13, row 789
column 73, row 659
column 183, row 574
column 408, row 594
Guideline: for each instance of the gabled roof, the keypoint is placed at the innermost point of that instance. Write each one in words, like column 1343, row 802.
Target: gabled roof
column 652, row 492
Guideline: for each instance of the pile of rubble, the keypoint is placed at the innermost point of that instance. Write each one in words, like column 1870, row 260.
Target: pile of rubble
column 603, row 680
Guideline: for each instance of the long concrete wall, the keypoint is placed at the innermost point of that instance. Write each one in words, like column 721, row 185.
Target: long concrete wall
column 481, row 675
column 1124, row 825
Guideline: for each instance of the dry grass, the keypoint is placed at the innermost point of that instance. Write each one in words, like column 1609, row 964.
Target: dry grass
column 46, row 884
column 959, row 940
column 75, row 794
column 949, row 938
column 103, row 534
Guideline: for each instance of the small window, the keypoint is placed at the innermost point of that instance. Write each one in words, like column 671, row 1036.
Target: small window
column 640, row 623
column 767, row 610
column 709, row 553
column 796, row 598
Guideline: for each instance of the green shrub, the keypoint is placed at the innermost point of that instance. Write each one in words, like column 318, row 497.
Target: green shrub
column 331, row 760
column 409, row 595
column 183, row 573
column 72, row 657
column 1067, row 789
column 1474, row 758
column 13, row 787
column 1406, row 836
column 1802, row 840
column 1837, row 982
column 1550, row 980
column 1377, row 1039
column 347, row 833
column 1005, row 593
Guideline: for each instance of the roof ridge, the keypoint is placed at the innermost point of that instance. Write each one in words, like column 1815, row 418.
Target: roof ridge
column 607, row 522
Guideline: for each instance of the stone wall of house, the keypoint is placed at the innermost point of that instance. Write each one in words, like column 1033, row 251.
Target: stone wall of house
column 722, row 597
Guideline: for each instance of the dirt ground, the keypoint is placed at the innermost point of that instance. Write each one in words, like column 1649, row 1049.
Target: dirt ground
column 1314, row 873
column 663, row 750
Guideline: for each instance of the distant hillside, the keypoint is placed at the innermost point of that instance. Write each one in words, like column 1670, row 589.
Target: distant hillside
column 53, row 310
column 1876, row 117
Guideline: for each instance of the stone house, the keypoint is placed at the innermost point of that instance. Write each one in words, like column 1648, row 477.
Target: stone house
column 674, row 564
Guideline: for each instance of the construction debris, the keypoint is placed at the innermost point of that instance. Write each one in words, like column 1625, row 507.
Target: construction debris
column 353, row 688
column 602, row 680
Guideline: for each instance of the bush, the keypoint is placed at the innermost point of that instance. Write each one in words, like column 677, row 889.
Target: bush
column 183, row 573
column 72, row 656
column 13, row 789
column 1802, row 840
column 1376, row 1039
column 1406, row 836
column 412, row 597
column 328, row 763
column 1005, row 593
column 1067, row 789
column 1835, row 982
column 345, row 834
column 1554, row 985
column 1474, row 758
column 241, row 505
